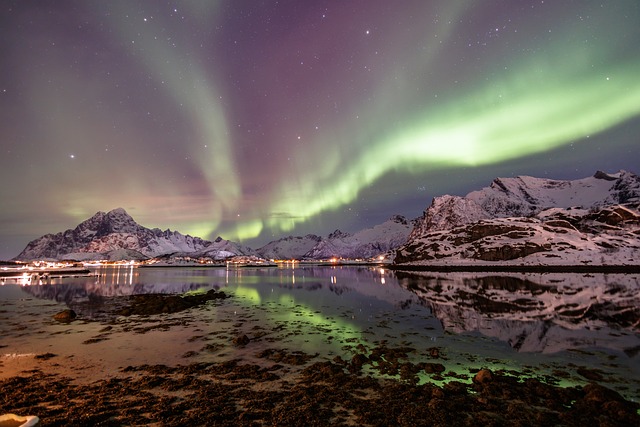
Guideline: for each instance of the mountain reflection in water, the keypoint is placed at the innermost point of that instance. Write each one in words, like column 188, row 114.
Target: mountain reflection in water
column 531, row 312
column 536, row 312
column 520, row 320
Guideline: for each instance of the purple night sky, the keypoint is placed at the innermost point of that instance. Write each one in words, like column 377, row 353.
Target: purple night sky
column 254, row 120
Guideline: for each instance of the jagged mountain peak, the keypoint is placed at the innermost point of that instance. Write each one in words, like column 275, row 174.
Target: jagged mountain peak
column 400, row 219
column 114, row 221
column 113, row 214
column 118, row 211
column 606, row 176
column 448, row 211
column 338, row 234
column 367, row 243
column 527, row 196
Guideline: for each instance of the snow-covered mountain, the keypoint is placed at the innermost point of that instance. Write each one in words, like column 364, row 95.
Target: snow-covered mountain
column 526, row 196
column 528, row 220
column 381, row 239
column 367, row 243
column 292, row 247
column 115, row 235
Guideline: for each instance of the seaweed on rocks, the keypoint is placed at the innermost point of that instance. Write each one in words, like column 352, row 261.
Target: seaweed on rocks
column 322, row 393
column 150, row 304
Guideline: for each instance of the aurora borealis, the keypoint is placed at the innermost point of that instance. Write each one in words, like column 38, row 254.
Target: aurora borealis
column 253, row 120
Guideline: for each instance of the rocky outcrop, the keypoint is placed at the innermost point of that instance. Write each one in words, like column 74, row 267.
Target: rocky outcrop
column 150, row 304
column 509, row 252
column 65, row 316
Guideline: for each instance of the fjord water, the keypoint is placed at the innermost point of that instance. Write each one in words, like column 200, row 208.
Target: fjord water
column 561, row 328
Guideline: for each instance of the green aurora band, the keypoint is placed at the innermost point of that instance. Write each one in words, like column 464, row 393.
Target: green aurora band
column 533, row 116
column 187, row 84
column 534, row 103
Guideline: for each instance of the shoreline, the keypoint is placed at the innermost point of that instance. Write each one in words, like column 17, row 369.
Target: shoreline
column 43, row 273
column 510, row 268
column 300, row 391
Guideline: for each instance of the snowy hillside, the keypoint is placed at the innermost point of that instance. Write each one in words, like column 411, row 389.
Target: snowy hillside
column 289, row 247
column 367, row 243
column 221, row 249
column 526, row 196
column 533, row 221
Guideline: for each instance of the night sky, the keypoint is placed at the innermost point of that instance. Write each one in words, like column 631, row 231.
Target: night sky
column 253, row 120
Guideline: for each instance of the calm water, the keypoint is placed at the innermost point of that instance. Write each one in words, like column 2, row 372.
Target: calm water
column 539, row 325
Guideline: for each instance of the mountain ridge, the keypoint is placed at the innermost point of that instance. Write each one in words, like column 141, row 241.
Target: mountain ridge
column 115, row 236
column 547, row 212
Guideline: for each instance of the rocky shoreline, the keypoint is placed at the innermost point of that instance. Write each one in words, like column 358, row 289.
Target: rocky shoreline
column 318, row 393
column 516, row 268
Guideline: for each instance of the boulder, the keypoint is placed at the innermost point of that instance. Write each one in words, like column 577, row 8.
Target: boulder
column 241, row 341
column 65, row 316
column 483, row 376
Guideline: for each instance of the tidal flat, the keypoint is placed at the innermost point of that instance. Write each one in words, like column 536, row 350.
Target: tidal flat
column 321, row 346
